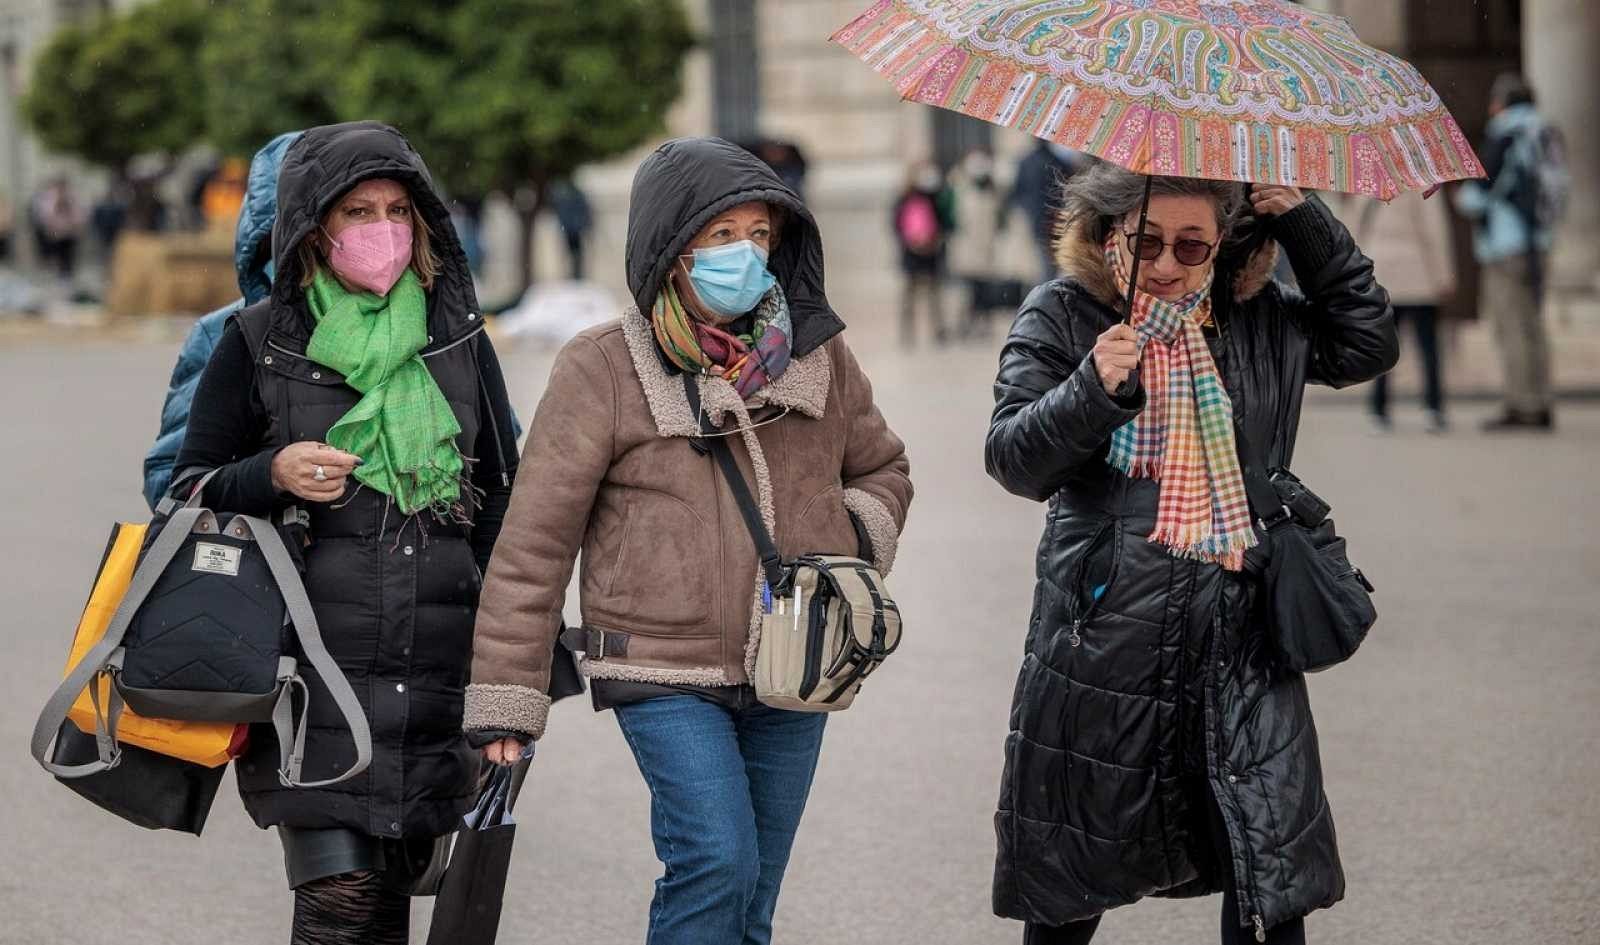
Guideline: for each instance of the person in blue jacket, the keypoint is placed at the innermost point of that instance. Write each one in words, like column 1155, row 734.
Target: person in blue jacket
column 252, row 257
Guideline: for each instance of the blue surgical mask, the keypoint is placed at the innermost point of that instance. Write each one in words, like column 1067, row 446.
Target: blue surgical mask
column 731, row 280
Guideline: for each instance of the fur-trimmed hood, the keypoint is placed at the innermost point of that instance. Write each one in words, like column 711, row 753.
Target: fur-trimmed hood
column 1082, row 259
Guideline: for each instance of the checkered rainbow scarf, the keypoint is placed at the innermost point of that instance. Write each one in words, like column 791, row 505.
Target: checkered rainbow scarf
column 1184, row 437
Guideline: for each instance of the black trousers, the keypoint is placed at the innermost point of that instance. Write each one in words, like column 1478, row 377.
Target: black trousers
column 1424, row 321
column 1292, row 932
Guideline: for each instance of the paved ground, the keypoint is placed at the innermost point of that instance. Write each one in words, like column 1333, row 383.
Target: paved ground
column 1462, row 748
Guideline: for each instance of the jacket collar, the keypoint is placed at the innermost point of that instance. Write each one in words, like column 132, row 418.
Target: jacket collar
column 803, row 387
column 1082, row 260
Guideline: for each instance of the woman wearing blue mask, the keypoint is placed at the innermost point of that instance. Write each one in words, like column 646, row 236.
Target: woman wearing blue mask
column 731, row 336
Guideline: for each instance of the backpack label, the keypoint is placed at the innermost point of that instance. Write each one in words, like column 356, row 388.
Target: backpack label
column 216, row 559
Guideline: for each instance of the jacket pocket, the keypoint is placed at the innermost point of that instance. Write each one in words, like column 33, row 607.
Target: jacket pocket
column 1093, row 575
column 668, row 571
column 823, row 526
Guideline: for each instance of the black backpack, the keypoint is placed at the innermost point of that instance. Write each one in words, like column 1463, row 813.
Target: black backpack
column 206, row 633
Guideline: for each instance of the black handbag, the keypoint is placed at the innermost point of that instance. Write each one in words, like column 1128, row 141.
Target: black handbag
column 1317, row 605
column 154, row 791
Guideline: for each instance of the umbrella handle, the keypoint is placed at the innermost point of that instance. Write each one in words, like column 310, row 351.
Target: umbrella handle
column 1131, row 382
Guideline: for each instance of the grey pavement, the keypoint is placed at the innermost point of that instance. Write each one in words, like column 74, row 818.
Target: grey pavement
column 1462, row 745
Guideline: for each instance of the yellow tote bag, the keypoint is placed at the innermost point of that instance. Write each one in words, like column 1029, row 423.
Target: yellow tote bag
column 205, row 743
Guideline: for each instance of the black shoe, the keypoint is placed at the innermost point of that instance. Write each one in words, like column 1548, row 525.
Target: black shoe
column 1514, row 421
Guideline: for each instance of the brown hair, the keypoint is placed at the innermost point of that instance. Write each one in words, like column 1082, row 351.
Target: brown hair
column 423, row 261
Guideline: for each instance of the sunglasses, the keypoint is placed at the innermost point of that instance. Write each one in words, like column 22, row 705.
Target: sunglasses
column 1188, row 252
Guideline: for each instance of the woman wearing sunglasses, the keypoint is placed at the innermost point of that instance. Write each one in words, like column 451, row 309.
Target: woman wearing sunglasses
column 1155, row 747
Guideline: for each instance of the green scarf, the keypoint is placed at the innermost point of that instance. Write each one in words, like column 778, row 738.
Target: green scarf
column 403, row 428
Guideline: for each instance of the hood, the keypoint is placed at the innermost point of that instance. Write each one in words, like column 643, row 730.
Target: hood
column 1082, row 259
column 321, row 166
column 682, row 186
column 260, row 208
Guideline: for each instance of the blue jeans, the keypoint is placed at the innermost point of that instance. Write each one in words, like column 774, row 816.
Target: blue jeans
column 727, row 788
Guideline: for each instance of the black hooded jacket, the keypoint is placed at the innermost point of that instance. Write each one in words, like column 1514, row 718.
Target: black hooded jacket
column 1146, row 689
column 682, row 186
column 395, row 596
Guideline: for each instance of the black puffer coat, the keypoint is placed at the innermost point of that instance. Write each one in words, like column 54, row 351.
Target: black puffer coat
column 1132, row 711
column 395, row 596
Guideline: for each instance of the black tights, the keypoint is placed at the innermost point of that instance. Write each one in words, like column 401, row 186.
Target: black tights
column 1292, row 932
column 351, row 909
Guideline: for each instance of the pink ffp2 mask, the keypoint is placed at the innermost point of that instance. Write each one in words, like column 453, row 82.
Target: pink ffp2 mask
column 372, row 256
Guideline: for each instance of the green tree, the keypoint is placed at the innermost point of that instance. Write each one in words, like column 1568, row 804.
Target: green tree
column 119, row 87
column 268, row 66
column 499, row 95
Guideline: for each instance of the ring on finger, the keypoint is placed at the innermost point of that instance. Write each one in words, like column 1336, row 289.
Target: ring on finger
column 319, row 474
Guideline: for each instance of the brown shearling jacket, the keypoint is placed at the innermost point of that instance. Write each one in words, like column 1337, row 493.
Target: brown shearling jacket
column 668, row 569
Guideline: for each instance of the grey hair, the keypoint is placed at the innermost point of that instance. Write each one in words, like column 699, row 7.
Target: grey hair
column 1096, row 198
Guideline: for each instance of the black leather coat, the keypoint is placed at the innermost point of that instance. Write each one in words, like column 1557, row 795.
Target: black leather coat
column 1135, row 709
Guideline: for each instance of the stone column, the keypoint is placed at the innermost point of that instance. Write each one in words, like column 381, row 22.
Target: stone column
column 1561, row 52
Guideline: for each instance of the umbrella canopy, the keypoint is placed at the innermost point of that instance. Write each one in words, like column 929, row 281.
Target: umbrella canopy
column 1260, row 91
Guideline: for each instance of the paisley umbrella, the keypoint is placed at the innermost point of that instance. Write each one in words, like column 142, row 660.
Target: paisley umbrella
column 1259, row 91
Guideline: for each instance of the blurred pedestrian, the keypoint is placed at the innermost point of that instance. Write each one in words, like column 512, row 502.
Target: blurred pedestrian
column 979, row 213
column 1156, row 748
column 1513, row 213
column 725, row 265
column 1408, row 241
column 58, row 223
column 1037, row 191
column 252, row 260
column 109, row 215
column 347, row 403
column 576, row 218
column 224, row 194
column 7, row 229
column 466, row 214
column 924, row 218
column 788, row 162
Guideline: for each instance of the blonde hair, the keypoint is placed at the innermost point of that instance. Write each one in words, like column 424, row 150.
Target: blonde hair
column 423, row 260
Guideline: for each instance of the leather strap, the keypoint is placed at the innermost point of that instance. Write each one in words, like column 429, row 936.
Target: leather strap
column 316, row 652
column 595, row 644
column 712, row 442
column 1265, row 503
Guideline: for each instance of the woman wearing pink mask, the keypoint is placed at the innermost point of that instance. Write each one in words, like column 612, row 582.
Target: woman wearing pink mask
column 362, row 406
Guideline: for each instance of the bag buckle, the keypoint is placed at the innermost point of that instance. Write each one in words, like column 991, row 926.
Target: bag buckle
column 596, row 648
column 1284, row 514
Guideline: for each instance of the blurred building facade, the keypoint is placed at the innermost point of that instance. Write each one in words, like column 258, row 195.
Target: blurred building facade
column 765, row 68
column 25, row 25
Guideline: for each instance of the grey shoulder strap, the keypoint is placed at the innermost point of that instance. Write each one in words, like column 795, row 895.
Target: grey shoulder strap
column 291, row 738
column 93, row 664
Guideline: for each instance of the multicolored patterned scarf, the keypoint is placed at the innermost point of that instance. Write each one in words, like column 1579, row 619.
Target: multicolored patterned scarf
column 1184, row 437
column 748, row 360
column 403, row 428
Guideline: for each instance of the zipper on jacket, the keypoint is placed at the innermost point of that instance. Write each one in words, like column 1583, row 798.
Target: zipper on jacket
column 1247, row 896
column 455, row 344
column 1105, row 534
column 488, row 408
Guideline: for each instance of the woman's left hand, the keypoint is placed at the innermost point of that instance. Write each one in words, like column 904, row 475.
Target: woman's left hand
column 1270, row 201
